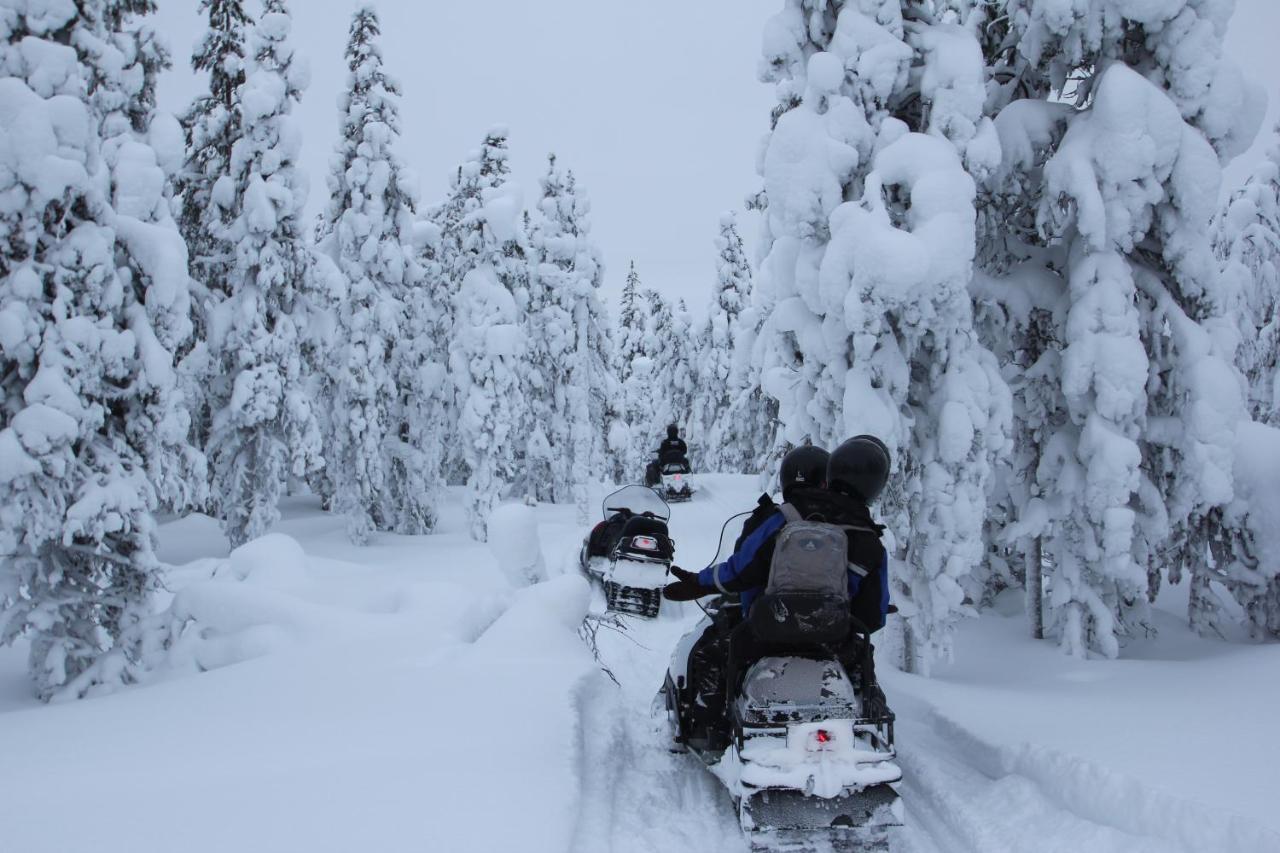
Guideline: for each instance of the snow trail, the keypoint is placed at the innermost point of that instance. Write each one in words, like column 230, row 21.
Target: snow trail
column 638, row 795
column 963, row 805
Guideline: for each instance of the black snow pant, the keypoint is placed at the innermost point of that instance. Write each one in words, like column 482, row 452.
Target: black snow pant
column 708, row 667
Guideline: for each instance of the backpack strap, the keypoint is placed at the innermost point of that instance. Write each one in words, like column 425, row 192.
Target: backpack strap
column 790, row 513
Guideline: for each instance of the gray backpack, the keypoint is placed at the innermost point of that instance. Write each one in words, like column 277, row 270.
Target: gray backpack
column 807, row 597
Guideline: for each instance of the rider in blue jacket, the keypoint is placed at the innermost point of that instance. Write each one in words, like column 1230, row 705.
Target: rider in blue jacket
column 838, row 492
column 856, row 474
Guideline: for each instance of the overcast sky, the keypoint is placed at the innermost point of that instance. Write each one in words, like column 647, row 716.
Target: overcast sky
column 654, row 104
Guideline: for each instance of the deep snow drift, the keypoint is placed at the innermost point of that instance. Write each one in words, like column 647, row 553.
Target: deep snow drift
column 415, row 695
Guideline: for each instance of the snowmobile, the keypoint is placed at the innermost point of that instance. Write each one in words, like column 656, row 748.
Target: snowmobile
column 630, row 552
column 669, row 475
column 675, row 481
column 808, row 756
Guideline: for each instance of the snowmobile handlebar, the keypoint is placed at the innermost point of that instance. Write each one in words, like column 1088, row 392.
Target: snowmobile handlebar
column 631, row 512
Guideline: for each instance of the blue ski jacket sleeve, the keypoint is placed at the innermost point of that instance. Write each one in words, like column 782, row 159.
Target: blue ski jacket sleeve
column 714, row 577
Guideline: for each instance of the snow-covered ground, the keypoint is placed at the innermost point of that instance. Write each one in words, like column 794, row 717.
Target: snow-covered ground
column 411, row 695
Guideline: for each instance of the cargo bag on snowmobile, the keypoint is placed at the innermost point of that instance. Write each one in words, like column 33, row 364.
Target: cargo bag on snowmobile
column 807, row 598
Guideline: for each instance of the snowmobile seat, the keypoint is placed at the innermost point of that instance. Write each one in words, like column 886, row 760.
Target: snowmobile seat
column 640, row 525
column 676, row 466
column 605, row 535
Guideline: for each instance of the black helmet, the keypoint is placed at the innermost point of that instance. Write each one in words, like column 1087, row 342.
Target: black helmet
column 673, row 431
column 804, row 465
column 859, row 467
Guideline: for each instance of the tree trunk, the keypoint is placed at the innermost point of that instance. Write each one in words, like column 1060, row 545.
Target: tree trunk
column 1035, row 587
column 908, row 647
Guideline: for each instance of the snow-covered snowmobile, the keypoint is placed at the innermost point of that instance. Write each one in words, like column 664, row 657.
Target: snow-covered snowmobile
column 630, row 552
column 808, row 755
column 676, row 485
column 668, row 474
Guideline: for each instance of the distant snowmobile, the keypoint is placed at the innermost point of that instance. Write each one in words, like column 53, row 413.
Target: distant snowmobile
column 674, row 480
column 668, row 474
column 630, row 552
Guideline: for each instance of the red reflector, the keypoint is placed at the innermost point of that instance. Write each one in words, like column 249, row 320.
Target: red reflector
column 823, row 736
column 645, row 543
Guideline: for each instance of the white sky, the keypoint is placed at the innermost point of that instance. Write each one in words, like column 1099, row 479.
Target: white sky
column 654, row 104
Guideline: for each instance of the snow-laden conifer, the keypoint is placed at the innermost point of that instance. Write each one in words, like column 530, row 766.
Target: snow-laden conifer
column 717, row 381
column 484, row 249
column 632, row 434
column 1247, row 241
column 485, row 169
column 263, row 429
column 1095, row 236
column 95, row 304
column 383, row 383
column 669, row 346
column 570, row 352
column 211, row 125
column 870, row 327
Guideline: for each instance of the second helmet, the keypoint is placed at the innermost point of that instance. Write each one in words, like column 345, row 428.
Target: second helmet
column 859, row 467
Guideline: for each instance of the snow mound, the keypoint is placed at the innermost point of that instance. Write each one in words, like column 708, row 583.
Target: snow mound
column 274, row 560
column 513, row 539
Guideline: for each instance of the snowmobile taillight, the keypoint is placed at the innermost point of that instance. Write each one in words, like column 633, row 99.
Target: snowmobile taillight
column 821, row 739
column 645, row 543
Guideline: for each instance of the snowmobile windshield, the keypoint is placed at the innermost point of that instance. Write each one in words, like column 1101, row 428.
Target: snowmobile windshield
column 638, row 500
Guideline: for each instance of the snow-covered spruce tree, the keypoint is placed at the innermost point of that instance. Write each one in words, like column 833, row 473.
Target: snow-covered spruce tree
column 484, row 242
column 485, row 360
column 263, row 427
column 870, row 239
column 1135, row 455
column 631, row 434
column 546, row 329
column 484, row 169
column 747, row 435
column 571, row 350
column 666, row 360
column 426, row 392
column 1246, row 238
column 670, row 346
column 142, row 150
column 211, row 126
column 716, row 377
column 1248, row 539
column 93, row 305
column 683, row 367
column 748, row 438
column 383, row 383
